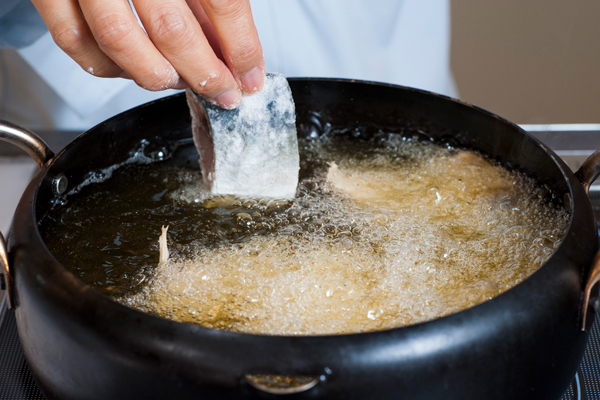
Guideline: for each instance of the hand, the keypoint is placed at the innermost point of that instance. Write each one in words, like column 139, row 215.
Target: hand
column 210, row 45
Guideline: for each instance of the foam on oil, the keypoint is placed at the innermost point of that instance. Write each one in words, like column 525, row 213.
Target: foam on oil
column 380, row 235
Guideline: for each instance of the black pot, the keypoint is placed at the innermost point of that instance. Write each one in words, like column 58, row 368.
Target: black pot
column 523, row 344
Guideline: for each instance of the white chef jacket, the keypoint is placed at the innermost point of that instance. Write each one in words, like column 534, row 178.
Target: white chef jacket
column 395, row 41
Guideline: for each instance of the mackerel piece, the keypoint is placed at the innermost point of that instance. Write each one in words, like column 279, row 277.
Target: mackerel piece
column 251, row 150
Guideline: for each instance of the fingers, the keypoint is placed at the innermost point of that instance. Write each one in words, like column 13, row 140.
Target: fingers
column 234, row 26
column 175, row 31
column 207, row 28
column 71, row 33
column 210, row 45
column 120, row 37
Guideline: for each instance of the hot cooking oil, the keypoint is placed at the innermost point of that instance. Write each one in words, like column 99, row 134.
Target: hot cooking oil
column 384, row 232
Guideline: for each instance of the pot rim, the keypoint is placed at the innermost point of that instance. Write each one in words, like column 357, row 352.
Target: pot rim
column 577, row 201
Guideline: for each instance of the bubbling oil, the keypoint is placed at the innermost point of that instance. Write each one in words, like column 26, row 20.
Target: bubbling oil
column 407, row 236
column 382, row 233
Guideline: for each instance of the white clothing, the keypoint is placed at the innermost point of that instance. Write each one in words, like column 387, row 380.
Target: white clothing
column 395, row 41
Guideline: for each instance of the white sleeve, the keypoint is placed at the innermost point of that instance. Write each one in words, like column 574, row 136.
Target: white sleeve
column 83, row 92
column 42, row 88
column 404, row 42
column 20, row 23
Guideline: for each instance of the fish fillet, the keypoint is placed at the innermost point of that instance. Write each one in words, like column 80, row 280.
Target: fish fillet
column 251, row 150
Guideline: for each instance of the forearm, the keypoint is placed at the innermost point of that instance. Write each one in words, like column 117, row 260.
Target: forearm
column 20, row 23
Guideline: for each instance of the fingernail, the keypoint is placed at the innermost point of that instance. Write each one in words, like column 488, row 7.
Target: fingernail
column 253, row 81
column 181, row 84
column 229, row 100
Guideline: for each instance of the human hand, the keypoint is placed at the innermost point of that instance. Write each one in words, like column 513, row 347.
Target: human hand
column 210, row 45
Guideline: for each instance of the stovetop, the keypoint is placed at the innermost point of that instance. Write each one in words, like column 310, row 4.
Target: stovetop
column 574, row 143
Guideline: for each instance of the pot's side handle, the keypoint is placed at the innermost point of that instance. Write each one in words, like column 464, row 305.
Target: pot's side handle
column 587, row 174
column 41, row 153
column 590, row 305
column 26, row 140
column 5, row 272
column 589, row 171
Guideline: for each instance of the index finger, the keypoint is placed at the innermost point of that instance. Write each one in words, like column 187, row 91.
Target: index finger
column 71, row 33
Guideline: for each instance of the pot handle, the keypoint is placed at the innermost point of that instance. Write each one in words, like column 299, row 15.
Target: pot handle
column 5, row 283
column 41, row 153
column 26, row 140
column 587, row 174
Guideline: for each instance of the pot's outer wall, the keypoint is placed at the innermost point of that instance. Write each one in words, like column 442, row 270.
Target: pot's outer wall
column 524, row 344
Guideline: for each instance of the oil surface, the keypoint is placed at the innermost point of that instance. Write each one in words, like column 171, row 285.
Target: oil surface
column 382, row 233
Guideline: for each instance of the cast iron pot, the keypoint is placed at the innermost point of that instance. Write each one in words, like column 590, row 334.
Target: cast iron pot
column 523, row 344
